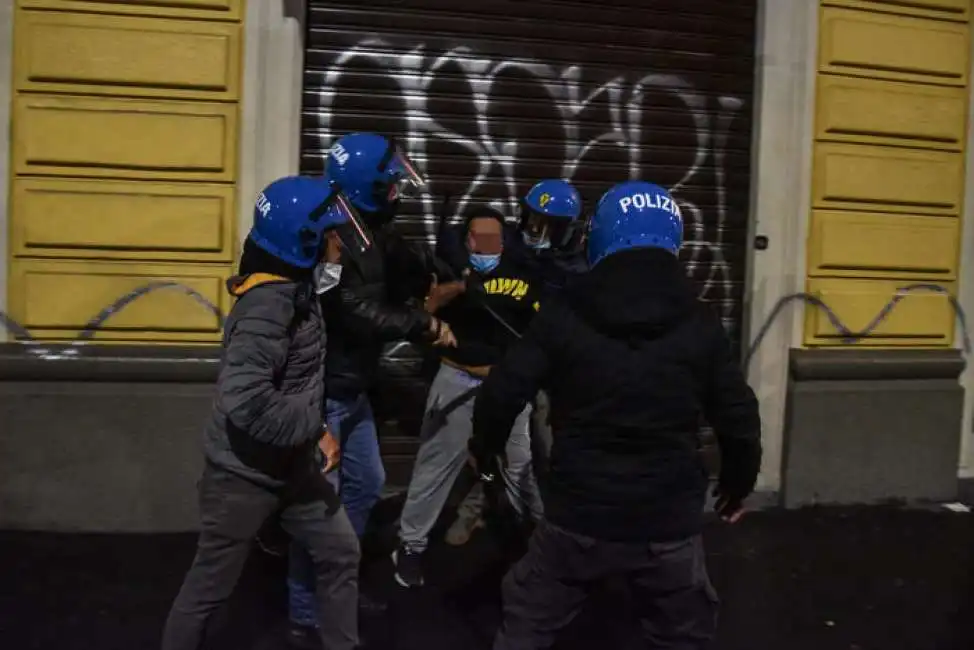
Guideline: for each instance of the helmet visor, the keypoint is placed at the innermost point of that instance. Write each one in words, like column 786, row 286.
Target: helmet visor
column 342, row 217
column 542, row 230
column 561, row 232
column 536, row 228
column 404, row 179
column 355, row 236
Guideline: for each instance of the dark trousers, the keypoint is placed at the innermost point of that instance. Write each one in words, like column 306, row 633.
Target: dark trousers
column 361, row 477
column 675, row 602
column 232, row 510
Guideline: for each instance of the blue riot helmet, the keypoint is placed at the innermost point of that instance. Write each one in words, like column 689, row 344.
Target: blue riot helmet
column 374, row 172
column 292, row 215
column 634, row 214
column 550, row 214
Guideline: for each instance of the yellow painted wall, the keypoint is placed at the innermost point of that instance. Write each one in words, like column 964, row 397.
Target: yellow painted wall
column 124, row 164
column 888, row 168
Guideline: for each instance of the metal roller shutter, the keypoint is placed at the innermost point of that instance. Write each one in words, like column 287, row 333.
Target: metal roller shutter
column 491, row 96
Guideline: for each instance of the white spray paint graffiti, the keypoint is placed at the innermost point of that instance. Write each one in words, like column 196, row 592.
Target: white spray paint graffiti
column 415, row 71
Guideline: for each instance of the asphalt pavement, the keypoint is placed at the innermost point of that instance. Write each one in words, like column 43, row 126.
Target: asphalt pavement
column 864, row 578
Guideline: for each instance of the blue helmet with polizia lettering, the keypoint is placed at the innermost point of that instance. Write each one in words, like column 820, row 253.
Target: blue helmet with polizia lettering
column 634, row 214
column 373, row 171
column 550, row 214
column 292, row 215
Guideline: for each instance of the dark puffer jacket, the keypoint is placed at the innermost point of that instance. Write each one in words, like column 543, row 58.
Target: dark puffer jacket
column 267, row 417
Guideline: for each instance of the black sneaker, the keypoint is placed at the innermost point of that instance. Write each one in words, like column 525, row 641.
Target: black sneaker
column 409, row 567
column 303, row 637
column 272, row 539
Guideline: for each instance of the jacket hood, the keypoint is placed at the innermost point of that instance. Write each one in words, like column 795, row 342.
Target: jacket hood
column 238, row 285
column 640, row 293
column 300, row 294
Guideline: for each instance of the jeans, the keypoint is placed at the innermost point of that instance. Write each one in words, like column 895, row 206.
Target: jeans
column 361, row 478
column 232, row 510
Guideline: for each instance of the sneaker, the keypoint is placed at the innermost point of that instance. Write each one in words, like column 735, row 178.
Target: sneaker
column 303, row 637
column 463, row 529
column 409, row 567
column 273, row 547
column 272, row 539
column 469, row 518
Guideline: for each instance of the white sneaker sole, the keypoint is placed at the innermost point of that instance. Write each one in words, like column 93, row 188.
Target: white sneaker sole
column 267, row 549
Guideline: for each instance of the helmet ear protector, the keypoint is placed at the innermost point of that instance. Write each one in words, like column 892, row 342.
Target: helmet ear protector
column 353, row 234
column 398, row 176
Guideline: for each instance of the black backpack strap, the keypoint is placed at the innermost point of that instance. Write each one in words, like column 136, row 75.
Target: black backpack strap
column 303, row 296
column 436, row 417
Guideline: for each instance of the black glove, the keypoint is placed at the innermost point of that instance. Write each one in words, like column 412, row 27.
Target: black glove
column 729, row 502
column 486, row 464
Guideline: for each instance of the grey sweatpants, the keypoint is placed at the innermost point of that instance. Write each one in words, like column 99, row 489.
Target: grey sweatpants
column 443, row 453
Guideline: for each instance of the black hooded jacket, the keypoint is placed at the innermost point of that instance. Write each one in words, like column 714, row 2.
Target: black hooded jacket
column 553, row 267
column 631, row 361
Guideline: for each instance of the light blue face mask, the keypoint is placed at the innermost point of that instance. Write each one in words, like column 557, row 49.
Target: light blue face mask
column 484, row 264
column 535, row 243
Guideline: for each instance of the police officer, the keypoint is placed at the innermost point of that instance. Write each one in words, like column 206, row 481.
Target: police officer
column 264, row 439
column 632, row 360
column 550, row 228
column 366, row 311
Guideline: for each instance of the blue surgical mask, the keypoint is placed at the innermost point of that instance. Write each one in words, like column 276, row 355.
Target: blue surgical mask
column 484, row 264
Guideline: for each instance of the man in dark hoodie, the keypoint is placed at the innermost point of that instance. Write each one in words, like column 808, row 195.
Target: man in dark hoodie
column 545, row 242
column 264, row 441
column 499, row 295
column 631, row 360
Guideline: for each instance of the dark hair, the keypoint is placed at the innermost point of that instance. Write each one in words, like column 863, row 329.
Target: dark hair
column 483, row 212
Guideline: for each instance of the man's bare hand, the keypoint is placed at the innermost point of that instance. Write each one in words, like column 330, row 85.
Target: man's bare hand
column 444, row 335
column 441, row 295
column 331, row 449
